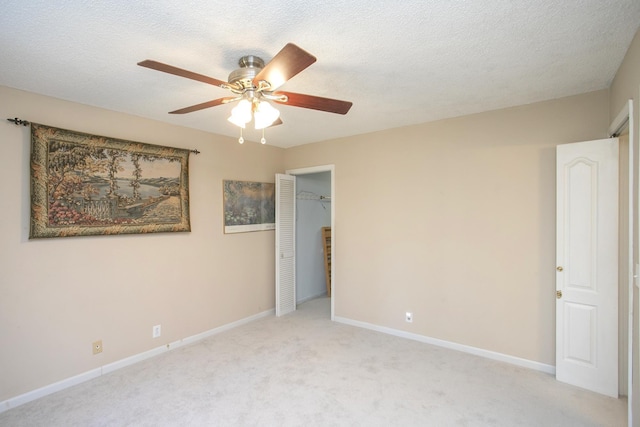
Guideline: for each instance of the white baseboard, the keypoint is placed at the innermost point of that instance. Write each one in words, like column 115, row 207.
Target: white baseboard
column 542, row 367
column 114, row 366
column 119, row 364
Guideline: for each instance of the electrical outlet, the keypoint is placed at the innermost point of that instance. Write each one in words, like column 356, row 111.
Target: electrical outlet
column 408, row 317
column 156, row 331
column 97, row 347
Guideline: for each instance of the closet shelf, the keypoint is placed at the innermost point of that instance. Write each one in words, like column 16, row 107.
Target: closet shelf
column 326, row 249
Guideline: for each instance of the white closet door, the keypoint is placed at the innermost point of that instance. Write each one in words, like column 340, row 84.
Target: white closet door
column 587, row 269
column 285, row 244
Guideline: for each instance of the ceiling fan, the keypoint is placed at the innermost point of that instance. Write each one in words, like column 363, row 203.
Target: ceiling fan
column 254, row 84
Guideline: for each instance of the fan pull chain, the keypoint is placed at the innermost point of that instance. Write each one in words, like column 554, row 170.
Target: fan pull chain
column 263, row 141
column 241, row 139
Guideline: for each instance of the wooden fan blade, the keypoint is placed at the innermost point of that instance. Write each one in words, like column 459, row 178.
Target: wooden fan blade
column 202, row 106
column 159, row 66
column 286, row 64
column 276, row 123
column 315, row 102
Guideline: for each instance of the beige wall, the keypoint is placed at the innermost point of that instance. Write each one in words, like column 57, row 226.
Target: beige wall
column 627, row 79
column 455, row 221
column 57, row 296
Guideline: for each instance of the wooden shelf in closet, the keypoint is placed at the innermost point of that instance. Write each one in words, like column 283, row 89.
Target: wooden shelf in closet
column 326, row 249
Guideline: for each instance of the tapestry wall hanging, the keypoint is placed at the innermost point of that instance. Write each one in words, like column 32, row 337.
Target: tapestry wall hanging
column 249, row 206
column 83, row 185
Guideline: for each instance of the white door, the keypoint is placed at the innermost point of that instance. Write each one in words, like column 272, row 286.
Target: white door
column 587, row 265
column 285, row 244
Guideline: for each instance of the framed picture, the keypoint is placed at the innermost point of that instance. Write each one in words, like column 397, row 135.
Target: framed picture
column 84, row 185
column 249, row 206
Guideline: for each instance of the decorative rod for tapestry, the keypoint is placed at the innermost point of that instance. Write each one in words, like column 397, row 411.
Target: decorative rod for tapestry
column 19, row 122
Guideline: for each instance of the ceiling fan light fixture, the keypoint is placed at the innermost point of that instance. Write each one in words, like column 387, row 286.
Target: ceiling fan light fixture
column 265, row 115
column 241, row 113
column 253, row 85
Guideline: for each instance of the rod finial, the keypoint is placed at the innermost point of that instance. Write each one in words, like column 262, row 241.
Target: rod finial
column 18, row 122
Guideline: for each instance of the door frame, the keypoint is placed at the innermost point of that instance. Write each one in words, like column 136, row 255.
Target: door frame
column 332, row 169
column 622, row 122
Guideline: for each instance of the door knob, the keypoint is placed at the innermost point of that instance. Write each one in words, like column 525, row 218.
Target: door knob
column 559, row 268
column 558, row 294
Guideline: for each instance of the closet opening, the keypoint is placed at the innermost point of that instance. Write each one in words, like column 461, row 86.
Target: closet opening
column 315, row 234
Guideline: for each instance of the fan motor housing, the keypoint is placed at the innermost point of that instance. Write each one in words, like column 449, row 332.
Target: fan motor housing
column 250, row 66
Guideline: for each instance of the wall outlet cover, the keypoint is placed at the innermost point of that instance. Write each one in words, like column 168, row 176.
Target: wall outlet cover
column 97, row 347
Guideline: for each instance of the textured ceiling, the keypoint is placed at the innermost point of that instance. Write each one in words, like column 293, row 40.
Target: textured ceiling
column 399, row 62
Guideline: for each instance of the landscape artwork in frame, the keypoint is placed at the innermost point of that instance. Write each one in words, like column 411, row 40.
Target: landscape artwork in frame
column 249, row 206
column 84, row 185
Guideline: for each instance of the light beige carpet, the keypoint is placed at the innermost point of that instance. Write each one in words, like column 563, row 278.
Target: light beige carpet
column 304, row 370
